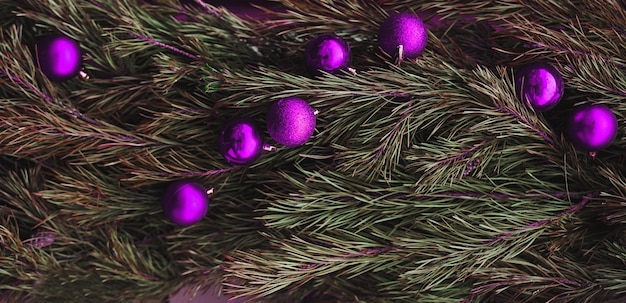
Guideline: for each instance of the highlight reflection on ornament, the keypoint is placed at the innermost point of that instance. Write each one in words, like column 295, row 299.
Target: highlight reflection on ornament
column 327, row 52
column 592, row 127
column 540, row 85
column 186, row 202
column 59, row 57
column 241, row 141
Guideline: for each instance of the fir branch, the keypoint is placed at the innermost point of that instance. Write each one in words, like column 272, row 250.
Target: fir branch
column 503, row 102
column 339, row 261
column 540, row 223
column 575, row 37
column 30, row 87
column 160, row 44
column 320, row 15
column 537, row 277
column 595, row 76
column 378, row 206
column 39, row 137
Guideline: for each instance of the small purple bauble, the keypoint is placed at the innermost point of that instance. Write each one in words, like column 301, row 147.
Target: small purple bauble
column 290, row 121
column 241, row 141
column 592, row 127
column 327, row 52
column 185, row 202
column 59, row 57
column 540, row 85
column 404, row 29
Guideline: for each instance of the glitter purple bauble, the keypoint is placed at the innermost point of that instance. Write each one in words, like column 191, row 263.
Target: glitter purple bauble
column 592, row 127
column 404, row 29
column 241, row 141
column 185, row 202
column 291, row 121
column 539, row 85
column 59, row 57
column 327, row 52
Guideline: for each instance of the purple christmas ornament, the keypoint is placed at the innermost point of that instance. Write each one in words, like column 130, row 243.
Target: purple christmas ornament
column 540, row 85
column 59, row 57
column 185, row 202
column 406, row 30
column 291, row 121
column 241, row 141
column 592, row 127
column 327, row 52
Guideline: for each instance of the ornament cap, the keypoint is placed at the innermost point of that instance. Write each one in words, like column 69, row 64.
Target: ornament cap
column 399, row 55
column 83, row 75
column 269, row 148
column 593, row 154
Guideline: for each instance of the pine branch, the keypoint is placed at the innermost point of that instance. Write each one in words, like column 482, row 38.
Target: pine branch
column 425, row 182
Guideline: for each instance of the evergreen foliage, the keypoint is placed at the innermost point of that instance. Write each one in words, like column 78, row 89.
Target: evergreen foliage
column 426, row 181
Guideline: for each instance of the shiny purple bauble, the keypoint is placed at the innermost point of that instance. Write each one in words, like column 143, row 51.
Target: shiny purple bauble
column 404, row 29
column 327, row 52
column 185, row 202
column 539, row 85
column 291, row 121
column 591, row 127
column 241, row 141
column 59, row 57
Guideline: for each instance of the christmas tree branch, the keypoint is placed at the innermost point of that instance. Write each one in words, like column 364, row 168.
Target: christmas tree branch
column 424, row 182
